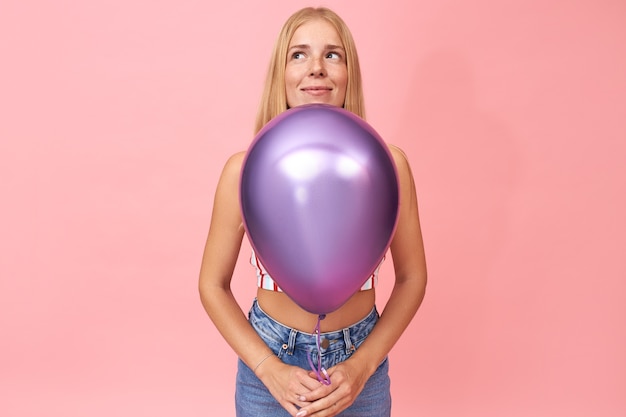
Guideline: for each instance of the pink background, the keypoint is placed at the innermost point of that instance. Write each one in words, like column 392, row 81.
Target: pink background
column 115, row 120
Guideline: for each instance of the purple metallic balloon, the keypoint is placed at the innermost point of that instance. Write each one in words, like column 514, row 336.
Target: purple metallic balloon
column 319, row 199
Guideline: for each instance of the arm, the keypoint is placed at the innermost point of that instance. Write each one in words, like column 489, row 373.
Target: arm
column 407, row 250
column 218, row 263
column 220, row 256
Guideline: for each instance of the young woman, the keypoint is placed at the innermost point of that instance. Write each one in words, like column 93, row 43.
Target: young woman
column 314, row 61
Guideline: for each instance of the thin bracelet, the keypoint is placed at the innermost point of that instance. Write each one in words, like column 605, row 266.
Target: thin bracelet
column 262, row 360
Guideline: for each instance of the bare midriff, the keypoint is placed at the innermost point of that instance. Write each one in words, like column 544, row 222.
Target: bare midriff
column 282, row 309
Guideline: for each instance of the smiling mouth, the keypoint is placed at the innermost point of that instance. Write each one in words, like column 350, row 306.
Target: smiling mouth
column 317, row 91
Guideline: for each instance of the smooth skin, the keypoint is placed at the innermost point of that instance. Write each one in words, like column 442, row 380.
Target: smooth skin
column 316, row 69
column 315, row 73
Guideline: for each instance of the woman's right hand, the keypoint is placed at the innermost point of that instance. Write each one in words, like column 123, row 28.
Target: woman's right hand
column 287, row 384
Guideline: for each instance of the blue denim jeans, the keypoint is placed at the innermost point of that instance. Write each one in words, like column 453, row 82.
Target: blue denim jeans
column 252, row 399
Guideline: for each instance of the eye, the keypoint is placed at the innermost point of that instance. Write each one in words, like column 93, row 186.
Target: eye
column 297, row 55
column 333, row 55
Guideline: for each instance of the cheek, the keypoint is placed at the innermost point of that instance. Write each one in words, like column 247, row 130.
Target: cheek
column 291, row 77
column 343, row 81
column 290, row 87
column 288, row 79
column 341, row 78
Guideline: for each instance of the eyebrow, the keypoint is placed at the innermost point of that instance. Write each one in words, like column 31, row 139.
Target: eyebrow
column 305, row 46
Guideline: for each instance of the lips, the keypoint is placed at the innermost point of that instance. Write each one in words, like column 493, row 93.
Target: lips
column 317, row 91
column 316, row 88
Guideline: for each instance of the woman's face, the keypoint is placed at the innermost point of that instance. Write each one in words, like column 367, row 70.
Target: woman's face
column 316, row 69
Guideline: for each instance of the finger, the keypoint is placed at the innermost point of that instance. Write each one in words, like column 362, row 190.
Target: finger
column 300, row 397
column 324, row 389
column 302, row 392
column 291, row 408
column 321, row 408
column 317, row 392
column 310, row 381
column 294, row 404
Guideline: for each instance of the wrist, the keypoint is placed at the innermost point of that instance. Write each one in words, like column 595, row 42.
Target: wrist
column 265, row 365
column 266, row 357
column 368, row 365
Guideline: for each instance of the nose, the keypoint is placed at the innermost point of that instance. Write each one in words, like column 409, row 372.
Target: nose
column 317, row 67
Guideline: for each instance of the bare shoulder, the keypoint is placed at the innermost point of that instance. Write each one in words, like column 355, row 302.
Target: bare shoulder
column 232, row 167
column 400, row 158
column 395, row 150
column 235, row 161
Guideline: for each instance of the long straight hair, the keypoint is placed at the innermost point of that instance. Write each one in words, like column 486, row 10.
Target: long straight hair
column 274, row 98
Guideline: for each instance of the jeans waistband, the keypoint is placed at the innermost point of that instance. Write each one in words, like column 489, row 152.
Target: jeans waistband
column 345, row 339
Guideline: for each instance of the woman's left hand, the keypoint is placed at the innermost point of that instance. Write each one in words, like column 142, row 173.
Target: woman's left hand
column 347, row 380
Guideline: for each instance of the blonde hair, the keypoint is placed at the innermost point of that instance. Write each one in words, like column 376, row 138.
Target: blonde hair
column 274, row 98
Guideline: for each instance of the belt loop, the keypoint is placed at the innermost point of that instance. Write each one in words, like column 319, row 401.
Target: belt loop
column 291, row 345
column 348, row 341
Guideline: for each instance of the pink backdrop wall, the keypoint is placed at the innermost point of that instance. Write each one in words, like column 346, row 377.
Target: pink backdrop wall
column 115, row 120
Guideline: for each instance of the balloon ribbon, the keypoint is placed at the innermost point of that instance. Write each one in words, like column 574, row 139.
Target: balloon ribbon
column 319, row 370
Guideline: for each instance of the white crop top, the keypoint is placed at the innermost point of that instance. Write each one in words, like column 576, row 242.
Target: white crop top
column 265, row 281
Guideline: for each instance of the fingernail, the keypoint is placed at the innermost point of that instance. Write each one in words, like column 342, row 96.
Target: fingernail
column 302, row 398
column 301, row 413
